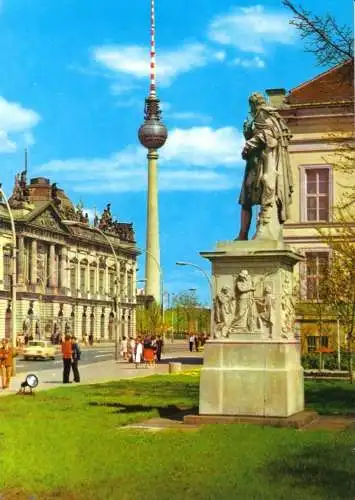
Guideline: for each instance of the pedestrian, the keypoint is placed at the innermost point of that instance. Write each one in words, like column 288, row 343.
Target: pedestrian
column 159, row 344
column 197, row 343
column 67, row 351
column 132, row 347
column 76, row 353
column 91, row 339
column 6, row 355
column 138, row 352
column 124, row 348
column 85, row 339
column 191, row 342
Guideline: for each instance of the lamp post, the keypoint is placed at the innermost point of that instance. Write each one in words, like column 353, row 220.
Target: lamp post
column 182, row 263
column 116, row 299
column 13, row 280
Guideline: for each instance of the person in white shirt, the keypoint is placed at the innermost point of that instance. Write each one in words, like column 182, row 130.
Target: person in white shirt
column 191, row 342
column 138, row 353
column 124, row 348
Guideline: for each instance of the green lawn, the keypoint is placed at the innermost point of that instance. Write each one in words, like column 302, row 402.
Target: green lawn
column 69, row 443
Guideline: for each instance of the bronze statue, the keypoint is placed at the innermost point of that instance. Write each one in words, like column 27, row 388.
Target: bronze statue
column 267, row 177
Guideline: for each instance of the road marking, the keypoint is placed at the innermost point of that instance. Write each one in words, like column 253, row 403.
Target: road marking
column 102, row 355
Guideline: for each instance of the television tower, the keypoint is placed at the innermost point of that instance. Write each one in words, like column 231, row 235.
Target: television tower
column 152, row 135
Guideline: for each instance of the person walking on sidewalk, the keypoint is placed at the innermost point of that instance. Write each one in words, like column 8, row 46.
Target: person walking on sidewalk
column 159, row 344
column 191, row 341
column 124, row 348
column 6, row 354
column 76, row 353
column 67, row 351
column 138, row 354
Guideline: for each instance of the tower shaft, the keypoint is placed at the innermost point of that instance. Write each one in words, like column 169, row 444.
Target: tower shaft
column 152, row 262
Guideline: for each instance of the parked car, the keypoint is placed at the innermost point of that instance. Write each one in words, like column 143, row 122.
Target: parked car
column 39, row 349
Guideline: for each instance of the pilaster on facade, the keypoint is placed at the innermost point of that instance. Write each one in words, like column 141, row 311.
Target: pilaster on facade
column 20, row 260
column 52, row 278
column 33, row 267
column 106, row 280
column 63, row 276
column 1, row 266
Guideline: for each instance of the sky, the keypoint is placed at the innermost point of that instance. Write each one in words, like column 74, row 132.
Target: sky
column 74, row 79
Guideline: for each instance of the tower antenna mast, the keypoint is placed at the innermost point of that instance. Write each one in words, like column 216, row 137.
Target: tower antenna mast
column 152, row 135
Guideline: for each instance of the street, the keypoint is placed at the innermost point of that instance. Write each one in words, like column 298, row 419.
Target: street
column 89, row 355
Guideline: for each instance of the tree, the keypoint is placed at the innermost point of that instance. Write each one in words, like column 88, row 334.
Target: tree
column 330, row 43
column 187, row 314
column 149, row 321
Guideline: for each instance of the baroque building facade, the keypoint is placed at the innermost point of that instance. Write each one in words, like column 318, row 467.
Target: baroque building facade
column 71, row 277
column 320, row 116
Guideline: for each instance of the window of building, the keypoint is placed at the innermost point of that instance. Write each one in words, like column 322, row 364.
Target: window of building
column 102, row 326
column 317, row 194
column 324, row 341
column 101, row 282
column 130, row 286
column 73, row 280
column 82, row 279
column 311, row 343
column 111, row 284
column 317, row 264
column 92, row 282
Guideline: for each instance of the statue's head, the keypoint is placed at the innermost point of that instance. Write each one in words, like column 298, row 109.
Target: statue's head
column 225, row 290
column 256, row 100
column 243, row 274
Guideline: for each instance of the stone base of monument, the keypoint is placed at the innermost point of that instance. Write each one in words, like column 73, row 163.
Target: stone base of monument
column 296, row 421
column 252, row 377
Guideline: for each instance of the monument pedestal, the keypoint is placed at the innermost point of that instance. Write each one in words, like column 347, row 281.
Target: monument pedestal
column 251, row 377
column 252, row 366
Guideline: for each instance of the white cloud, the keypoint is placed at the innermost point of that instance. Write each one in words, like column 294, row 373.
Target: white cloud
column 255, row 62
column 203, row 146
column 188, row 115
column 251, row 28
column 133, row 60
column 188, row 162
column 14, row 120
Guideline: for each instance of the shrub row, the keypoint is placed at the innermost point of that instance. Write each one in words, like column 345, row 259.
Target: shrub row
column 329, row 361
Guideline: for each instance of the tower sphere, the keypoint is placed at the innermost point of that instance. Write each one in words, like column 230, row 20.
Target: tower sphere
column 152, row 134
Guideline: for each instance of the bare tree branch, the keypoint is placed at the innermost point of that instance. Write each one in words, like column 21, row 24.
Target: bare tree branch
column 329, row 42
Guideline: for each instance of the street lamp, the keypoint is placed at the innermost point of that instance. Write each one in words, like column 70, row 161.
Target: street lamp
column 13, row 280
column 182, row 263
column 117, row 294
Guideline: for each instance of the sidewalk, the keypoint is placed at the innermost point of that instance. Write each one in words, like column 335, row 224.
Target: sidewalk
column 103, row 371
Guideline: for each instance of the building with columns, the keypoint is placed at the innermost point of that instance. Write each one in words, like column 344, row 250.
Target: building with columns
column 71, row 277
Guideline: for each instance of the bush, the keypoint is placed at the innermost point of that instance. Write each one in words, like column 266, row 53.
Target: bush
column 329, row 361
column 310, row 361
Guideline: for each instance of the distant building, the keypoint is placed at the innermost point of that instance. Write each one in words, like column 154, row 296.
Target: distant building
column 66, row 270
column 320, row 115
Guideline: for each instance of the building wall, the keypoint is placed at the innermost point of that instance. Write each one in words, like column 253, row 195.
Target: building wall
column 51, row 299
column 315, row 143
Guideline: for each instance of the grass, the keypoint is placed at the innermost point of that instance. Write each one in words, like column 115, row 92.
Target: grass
column 69, row 443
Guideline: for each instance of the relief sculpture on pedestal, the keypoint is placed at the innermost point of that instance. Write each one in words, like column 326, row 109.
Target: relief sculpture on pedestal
column 240, row 311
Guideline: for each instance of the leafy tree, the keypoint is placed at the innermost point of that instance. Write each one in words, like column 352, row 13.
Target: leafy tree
column 149, row 321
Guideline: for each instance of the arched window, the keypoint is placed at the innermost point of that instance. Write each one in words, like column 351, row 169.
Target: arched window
column 102, row 325
column 111, row 325
column 83, row 325
column 92, row 324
